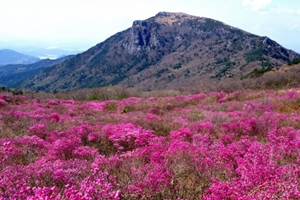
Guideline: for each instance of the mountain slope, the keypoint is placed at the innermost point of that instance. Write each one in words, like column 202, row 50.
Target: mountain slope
column 12, row 75
column 8, row 56
column 165, row 51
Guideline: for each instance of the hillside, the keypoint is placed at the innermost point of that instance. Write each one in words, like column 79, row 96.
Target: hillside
column 8, row 56
column 168, row 50
column 12, row 75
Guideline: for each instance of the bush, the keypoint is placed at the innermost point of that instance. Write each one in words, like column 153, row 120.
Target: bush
column 258, row 72
column 254, row 55
column 93, row 97
column 177, row 66
column 294, row 62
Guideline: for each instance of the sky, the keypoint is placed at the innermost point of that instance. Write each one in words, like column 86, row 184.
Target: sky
column 81, row 24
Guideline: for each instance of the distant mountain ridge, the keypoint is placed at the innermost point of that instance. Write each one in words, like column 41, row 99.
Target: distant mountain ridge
column 12, row 75
column 8, row 56
column 168, row 50
column 51, row 53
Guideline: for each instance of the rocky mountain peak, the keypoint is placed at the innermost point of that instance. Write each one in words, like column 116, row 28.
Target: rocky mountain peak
column 169, row 15
column 165, row 51
column 143, row 33
column 140, row 37
column 172, row 18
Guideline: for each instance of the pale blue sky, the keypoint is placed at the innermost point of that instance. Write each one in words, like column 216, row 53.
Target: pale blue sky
column 84, row 23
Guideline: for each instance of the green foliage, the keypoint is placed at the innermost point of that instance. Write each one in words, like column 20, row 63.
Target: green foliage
column 224, row 69
column 187, row 73
column 220, row 60
column 101, row 97
column 211, row 25
column 266, row 64
column 294, row 62
column 94, row 97
column 111, row 107
column 258, row 72
column 160, row 72
column 254, row 55
column 4, row 89
column 122, row 96
column 17, row 92
column 177, row 66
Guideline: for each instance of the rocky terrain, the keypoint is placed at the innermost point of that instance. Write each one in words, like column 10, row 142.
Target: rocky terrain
column 169, row 50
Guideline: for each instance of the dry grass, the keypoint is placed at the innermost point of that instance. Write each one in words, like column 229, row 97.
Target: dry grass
column 281, row 79
column 12, row 127
column 190, row 181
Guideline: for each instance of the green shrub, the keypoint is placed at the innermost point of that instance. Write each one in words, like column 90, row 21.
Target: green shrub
column 93, row 97
column 17, row 92
column 4, row 89
column 177, row 66
column 160, row 72
column 122, row 96
column 254, row 55
column 257, row 72
column 294, row 62
column 111, row 107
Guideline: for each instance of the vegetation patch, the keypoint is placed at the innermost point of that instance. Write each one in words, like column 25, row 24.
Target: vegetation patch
column 177, row 66
column 254, row 55
column 258, row 72
column 294, row 62
column 196, row 146
column 160, row 72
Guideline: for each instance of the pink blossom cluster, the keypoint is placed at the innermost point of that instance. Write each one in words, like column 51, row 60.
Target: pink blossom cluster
column 240, row 145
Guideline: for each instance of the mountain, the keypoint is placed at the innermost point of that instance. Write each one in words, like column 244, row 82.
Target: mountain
column 43, row 50
column 8, row 56
column 168, row 50
column 12, row 75
column 50, row 52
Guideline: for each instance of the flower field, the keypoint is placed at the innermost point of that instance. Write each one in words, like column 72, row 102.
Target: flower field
column 241, row 145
